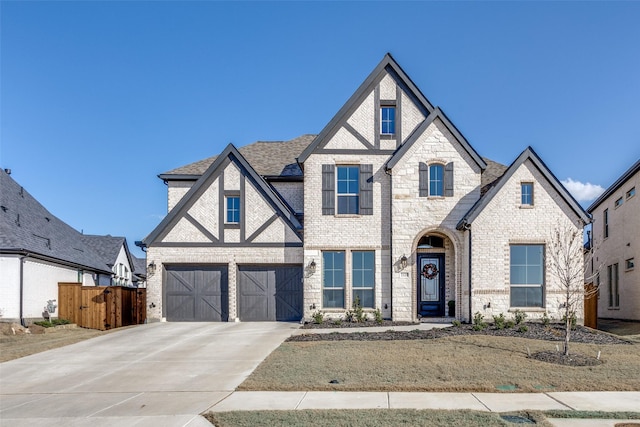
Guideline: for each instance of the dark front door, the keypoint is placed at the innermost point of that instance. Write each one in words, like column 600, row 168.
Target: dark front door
column 431, row 285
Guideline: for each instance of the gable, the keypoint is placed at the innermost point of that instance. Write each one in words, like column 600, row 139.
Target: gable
column 200, row 218
column 357, row 127
column 527, row 167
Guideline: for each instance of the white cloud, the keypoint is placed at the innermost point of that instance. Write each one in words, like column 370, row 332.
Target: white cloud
column 583, row 192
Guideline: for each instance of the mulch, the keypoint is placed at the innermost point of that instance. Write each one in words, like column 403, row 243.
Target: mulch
column 535, row 331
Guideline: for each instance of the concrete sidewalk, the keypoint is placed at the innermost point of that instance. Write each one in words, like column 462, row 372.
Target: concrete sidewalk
column 489, row 402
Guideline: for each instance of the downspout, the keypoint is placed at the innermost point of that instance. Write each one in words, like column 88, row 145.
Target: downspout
column 468, row 227
column 22, row 258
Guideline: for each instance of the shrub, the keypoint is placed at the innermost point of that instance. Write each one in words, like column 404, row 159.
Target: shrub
column 499, row 321
column 545, row 319
column 509, row 324
column 456, row 323
column 52, row 322
column 349, row 316
column 377, row 316
column 478, row 322
column 520, row 316
column 358, row 312
column 523, row 328
column 318, row 317
column 337, row 322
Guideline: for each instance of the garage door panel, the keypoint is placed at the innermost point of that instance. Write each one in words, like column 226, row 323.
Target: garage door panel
column 197, row 293
column 269, row 293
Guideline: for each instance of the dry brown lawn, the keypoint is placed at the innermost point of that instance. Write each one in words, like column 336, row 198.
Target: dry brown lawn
column 16, row 346
column 461, row 363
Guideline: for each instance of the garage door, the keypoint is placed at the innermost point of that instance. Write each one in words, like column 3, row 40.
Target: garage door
column 196, row 293
column 270, row 293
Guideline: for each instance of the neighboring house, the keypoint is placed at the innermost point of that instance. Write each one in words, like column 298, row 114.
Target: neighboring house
column 139, row 272
column 37, row 251
column 114, row 251
column 616, row 247
column 389, row 205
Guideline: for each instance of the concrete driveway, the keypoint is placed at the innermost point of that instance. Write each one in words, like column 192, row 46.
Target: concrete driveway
column 161, row 374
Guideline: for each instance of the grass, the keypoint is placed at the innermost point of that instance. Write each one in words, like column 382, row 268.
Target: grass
column 378, row 417
column 461, row 363
column 16, row 346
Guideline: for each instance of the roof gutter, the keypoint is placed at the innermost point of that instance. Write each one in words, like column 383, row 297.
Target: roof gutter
column 25, row 253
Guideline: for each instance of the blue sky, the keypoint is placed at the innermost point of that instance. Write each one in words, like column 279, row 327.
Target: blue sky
column 98, row 98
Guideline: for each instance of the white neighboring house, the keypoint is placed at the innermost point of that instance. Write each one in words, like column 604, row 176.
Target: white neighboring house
column 389, row 205
column 37, row 251
column 616, row 247
column 115, row 252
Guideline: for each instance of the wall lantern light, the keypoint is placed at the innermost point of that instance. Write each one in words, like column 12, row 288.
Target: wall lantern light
column 151, row 268
column 312, row 266
column 403, row 262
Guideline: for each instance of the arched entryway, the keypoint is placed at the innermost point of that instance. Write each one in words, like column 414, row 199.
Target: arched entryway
column 435, row 276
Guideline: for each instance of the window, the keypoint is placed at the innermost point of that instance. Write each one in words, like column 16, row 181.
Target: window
column 348, row 189
column 527, row 275
column 233, row 209
column 362, row 277
column 619, row 202
column 612, row 277
column 526, row 198
column 388, row 120
column 606, row 223
column 631, row 193
column 333, row 279
column 630, row 264
column 436, row 180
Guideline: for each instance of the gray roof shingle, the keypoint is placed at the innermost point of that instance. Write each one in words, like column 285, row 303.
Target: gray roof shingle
column 268, row 158
column 26, row 226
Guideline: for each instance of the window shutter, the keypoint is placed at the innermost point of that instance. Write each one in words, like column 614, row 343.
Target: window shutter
column 328, row 189
column 448, row 180
column 424, row 180
column 366, row 189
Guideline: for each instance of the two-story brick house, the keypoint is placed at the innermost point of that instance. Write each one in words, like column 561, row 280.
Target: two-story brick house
column 616, row 247
column 389, row 204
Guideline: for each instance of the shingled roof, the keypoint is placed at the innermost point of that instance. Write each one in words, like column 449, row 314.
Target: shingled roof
column 268, row 158
column 278, row 159
column 27, row 227
column 108, row 247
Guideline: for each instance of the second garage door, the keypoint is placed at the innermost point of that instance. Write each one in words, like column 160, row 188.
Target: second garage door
column 197, row 293
column 268, row 293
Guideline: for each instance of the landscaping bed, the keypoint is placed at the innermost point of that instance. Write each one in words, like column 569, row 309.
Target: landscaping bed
column 536, row 331
column 339, row 324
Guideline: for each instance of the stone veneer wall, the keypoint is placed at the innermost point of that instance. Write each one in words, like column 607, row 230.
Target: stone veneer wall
column 504, row 222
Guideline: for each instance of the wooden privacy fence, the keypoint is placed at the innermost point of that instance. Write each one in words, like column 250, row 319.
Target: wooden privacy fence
column 102, row 307
column 591, row 306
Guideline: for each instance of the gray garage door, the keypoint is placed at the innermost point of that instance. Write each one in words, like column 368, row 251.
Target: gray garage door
column 270, row 293
column 196, row 294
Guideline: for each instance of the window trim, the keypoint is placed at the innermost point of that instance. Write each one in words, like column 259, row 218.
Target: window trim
column 429, row 180
column 334, row 288
column 629, row 264
column 542, row 285
column 371, row 288
column 605, row 223
column 338, row 194
column 227, row 197
column 390, row 104
column 632, row 192
column 523, row 185
column 613, row 285
column 619, row 202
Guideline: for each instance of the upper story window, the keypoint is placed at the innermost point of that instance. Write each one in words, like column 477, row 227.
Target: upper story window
column 631, row 193
column 348, row 194
column 233, row 209
column 605, row 222
column 527, row 275
column 387, row 120
column 526, row 193
column 619, row 202
column 630, row 264
column 436, row 180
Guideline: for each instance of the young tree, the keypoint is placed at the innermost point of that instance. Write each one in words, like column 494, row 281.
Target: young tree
column 566, row 263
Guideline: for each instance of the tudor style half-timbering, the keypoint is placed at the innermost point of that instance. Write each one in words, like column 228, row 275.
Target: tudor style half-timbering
column 400, row 214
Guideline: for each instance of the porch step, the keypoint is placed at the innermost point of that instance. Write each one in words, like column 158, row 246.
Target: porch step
column 445, row 319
